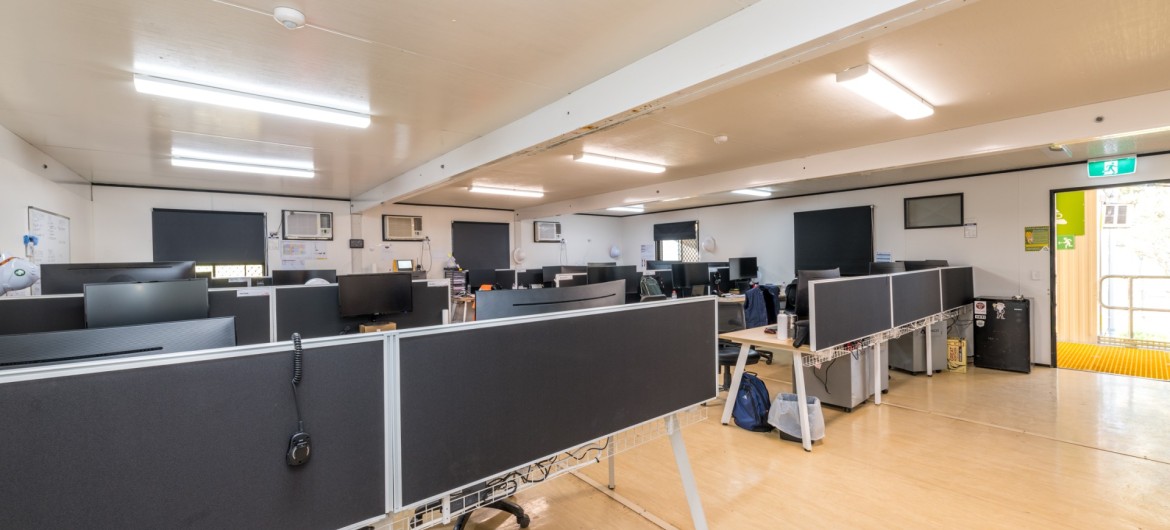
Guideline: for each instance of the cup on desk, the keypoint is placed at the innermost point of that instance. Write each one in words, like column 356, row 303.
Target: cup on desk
column 782, row 325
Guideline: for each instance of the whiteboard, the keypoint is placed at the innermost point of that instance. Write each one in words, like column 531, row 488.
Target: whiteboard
column 53, row 232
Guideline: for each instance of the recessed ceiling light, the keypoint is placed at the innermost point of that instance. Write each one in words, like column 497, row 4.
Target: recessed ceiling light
column 870, row 83
column 753, row 192
column 505, row 191
column 217, row 165
column 613, row 161
column 633, row 208
column 171, row 88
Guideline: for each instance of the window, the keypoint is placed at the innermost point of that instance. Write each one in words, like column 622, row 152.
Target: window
column 677, row 241
column 1116, row 216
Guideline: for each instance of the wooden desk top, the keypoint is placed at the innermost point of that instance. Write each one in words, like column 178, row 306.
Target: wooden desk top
column 757, row 337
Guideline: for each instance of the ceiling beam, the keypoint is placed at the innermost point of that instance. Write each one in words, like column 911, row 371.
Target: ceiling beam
column 1122, row 117
column 764, row 37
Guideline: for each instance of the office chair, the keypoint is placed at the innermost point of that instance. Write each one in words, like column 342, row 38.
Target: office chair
column 470, row 495
column 731, row 318
column 650, row 290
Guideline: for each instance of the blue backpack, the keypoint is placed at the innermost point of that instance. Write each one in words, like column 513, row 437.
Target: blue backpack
column 751, row 404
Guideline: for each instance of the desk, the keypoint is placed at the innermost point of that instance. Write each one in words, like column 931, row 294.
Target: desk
column 746, row 338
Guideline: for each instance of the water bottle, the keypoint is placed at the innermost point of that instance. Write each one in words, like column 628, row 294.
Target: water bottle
column 674, row 295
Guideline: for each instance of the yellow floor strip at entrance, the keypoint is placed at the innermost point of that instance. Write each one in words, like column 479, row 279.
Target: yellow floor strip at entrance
column 1153, row 364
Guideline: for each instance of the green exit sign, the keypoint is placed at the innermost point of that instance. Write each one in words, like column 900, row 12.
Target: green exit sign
column 1112, row 167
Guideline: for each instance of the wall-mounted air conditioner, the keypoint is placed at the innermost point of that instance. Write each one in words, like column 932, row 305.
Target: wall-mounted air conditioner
column 546, row 231
column 307, row 225
column 401, row 228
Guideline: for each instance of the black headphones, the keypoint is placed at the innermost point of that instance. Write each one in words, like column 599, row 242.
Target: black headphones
column 299, row 447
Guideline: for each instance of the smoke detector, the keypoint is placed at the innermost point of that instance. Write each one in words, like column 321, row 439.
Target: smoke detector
column 289, row 17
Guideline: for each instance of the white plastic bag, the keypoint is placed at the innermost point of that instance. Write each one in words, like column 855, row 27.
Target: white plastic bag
column 785, row 416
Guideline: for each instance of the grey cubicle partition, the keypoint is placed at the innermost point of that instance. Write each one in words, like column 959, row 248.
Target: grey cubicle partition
column 958, row 286
column 846, row 309
column 916, row 295
column 197, row 441
column 518, row 302
column 123, row 341
column 39, row 314
column 314, row 311
column 530, row 387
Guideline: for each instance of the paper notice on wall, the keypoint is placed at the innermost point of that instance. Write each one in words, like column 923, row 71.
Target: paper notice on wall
column 647, row 254
column 303, row 250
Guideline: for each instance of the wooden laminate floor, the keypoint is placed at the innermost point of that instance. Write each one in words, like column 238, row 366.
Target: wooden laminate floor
column 985, row 449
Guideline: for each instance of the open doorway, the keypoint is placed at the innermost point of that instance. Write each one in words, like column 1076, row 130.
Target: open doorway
column 1112, row 286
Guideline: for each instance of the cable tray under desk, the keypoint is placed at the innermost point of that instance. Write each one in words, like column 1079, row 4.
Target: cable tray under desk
column 816, row 358
column 428, row 515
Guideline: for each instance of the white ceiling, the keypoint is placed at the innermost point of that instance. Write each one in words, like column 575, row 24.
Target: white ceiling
column 437, row 75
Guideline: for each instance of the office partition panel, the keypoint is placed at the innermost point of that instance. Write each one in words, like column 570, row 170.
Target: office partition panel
column 916, row 295
column 196, row 444
column 531, row 387
column 958, row 286
column 848, row 309
column 17, row 351
column 314, row 310
column 518, row 302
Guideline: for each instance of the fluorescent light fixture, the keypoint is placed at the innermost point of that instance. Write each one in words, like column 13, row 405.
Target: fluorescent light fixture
column 635, row 208
column 870, row 83
column 170, row 88
column 241, row 168
column 753, row 192
column 180, row 152
column 505, row 191
column 612, row 161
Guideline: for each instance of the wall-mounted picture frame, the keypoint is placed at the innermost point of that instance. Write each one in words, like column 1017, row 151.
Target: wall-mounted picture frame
column 546, row 232
column 933, row 211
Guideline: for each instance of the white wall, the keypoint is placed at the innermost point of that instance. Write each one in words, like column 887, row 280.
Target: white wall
column 25, row 182
column 588, row 238
column 1001, row 205
column 436, row 223
column 122, row 221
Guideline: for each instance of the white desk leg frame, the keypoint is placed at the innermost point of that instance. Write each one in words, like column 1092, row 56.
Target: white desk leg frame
column 612, row 481
column 801, row 399
column 684, row 471
column 875, row 351
column 929, row 354
column 736, row 377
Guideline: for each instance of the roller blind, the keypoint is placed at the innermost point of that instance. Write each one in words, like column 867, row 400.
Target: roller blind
column 676, row 231
column 480, row 245
column 209, row 237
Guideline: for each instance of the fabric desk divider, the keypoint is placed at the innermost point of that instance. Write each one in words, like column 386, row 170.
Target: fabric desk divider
column 67, row 312
column 196, row 440
column 958, row 286
column 314, row 310
column 480, row 399
column 916, row 295
column 843, row 310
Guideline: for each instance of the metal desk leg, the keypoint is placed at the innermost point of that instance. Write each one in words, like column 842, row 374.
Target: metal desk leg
column 801, row 399
column 465, row 304
column 736, row 376
column 684, row 471
column 876, row 351
column 929, row 355
column 612, row 483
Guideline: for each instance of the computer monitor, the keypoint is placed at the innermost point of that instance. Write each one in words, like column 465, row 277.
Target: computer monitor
column 659, row 265
column 477, row 278
column 925, row 264
column 530, row 278
column 300, row 277
column 802, row 279
column 609, row 273
column 886, row 267
column 690, row 275
column 505, row 278
column 570, row 279
column 132, row 303
column 404, row 265
column 70, row 278
column 375, row 294
column 742, row 268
